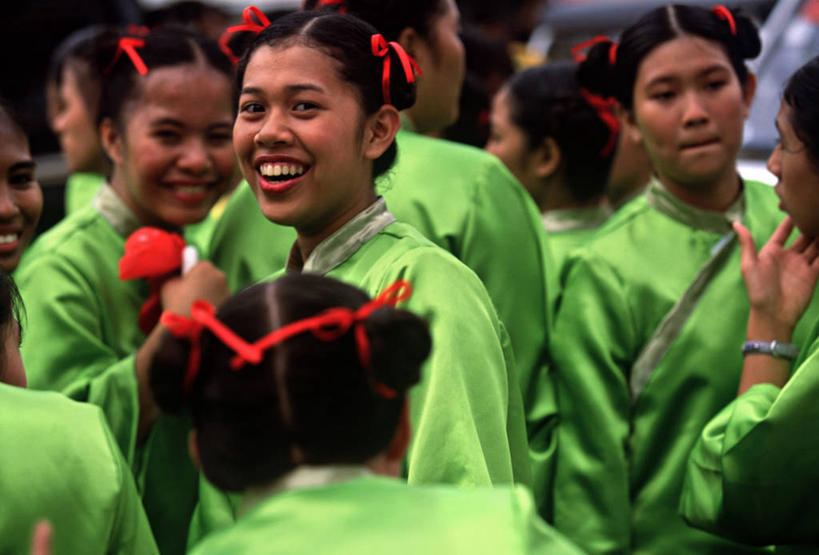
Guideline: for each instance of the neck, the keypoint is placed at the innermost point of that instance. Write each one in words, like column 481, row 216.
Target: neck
column 717, row 196
column 309, row 238
column 554, row 195
column 118, row 185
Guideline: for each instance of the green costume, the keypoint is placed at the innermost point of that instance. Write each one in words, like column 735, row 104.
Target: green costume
column 81, row 337
column 345, row 510
column 650, row 308
column 465, row 201
column 59, row 463
column 568, row 229
column 754, row 473
column 80, row 190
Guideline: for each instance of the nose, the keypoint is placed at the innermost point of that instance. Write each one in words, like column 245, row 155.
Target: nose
column 195, row 157
column 8, row 204
column 274, row 131
column 774, row 164
column 694, row 111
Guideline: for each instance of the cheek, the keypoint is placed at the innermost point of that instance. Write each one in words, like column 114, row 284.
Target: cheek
column 31, row 204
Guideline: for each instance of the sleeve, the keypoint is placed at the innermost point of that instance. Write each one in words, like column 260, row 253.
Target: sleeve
column 592, row 347
column 461, row 409
column 752, row 474
column 63, row 348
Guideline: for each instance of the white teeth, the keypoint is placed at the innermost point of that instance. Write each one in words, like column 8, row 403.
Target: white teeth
column 6, row 239
column 278, row 169
column 190, row 189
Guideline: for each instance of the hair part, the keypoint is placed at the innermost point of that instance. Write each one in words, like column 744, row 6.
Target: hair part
column 801, row 92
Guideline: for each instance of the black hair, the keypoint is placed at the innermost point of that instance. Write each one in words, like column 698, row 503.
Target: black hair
column 11, row 310
column 10, row 117
column 545, row 101
column 801, row 94
column 346, row 39
column 308, row 401
column 167, row 46
column 663, row 24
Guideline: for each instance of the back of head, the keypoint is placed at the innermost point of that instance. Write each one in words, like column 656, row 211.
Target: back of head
column 801, row 94
column 309, row 400
column 546, row 101
column 611, row 70
column 390, row 17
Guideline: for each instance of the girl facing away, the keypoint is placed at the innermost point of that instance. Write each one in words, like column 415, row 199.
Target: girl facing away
column 752, row 474
column 299, row 401
column 653, row 304
column 166, row 115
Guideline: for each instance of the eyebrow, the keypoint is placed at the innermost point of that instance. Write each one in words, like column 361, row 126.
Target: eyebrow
column 176, row 123
column 297, row 87
column 27, row 165
column 671, row 78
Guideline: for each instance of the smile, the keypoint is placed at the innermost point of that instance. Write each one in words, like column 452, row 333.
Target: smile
column 279, row 171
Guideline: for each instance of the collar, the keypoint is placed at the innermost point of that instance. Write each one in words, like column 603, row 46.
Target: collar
column 342, row 244
column 660, row 199
column 109, row 204
column 574, row 219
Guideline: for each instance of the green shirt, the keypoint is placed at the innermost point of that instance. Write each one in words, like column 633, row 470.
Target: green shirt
column 370, row 514
column 754, row 473
column 59, row 462
column 80, row 339
column 634, row 395
column 80, row 190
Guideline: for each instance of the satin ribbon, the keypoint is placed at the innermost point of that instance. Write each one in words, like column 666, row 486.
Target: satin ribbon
column 254, row 20
column 129, row 46
column 605, row 111
column 381, row 48
column 327, row 326
column 725, row 14
column 340, row 3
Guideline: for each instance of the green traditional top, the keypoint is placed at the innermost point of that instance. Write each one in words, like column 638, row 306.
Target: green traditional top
column 651, row 306
column 80, row 190
column 59, row 462
column 568, row 229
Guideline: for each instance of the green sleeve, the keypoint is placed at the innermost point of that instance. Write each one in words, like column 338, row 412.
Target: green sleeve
column 80, row 190
column 63, row 348
column 592, row 348
column 752, row 475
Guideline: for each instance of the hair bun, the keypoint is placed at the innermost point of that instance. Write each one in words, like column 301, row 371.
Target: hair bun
column 402, row 91
column 596, row 72
column 399, row 344
column 748, row 39
column 167, row 372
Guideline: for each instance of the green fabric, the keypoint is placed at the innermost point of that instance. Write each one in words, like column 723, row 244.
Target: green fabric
column 80, row 190
column 382, row 515
column 81, row 334
column 754, row 472
column 621, row 460
column 568, row 229
column 59, row 462
column 467, row 202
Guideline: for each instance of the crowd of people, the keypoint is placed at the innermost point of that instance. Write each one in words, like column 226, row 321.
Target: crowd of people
column 284, row 315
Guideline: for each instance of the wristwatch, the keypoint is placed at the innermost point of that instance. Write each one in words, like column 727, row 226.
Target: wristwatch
column 776, row 349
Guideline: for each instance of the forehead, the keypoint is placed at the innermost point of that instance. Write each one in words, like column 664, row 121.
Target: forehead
column 13, row 144
column 283, row 66
column 683, row 57
column 188, row 90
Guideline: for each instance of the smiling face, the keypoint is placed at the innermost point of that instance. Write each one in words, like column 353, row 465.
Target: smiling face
column 303, row 140
column 798, row 184
column 173, row 157
column 21, row 200
column 689, row 108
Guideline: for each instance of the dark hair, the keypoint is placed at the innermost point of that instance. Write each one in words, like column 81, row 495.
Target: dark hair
column 163, row 47
column 801, row 94
column 11, row 309
column 346, row 39
column 9, row 116
column 545, row 101
column 390, row 17
column 306, row 396
column 658, row 26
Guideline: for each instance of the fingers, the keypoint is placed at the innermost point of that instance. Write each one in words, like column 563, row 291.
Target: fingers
column 783, row 231
column 41, row 543
column 747, row 249
column 811, row 252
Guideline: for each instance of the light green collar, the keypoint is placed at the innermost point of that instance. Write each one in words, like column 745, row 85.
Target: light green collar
column 659, row 198
column 109, row 204
column 342, row 244
column 575, row 219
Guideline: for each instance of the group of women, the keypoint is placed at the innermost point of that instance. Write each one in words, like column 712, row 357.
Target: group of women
column 488, row 334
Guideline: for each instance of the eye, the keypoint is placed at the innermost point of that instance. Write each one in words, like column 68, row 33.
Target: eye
column 167, row 135
column 219, row 138
column 716, row 84
column 21, row 179
column 305, row 107
column 251, row 108
column 662, row 96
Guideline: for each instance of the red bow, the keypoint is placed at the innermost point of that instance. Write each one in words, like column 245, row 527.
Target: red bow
column 605, row 111
column 129, row 46
column 327, row 326
column 156, row 255
column 725, row 14
column 381, row 48
column 254, row 26
column 340, row 3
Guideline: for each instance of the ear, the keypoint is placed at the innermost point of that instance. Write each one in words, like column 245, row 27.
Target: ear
column 628, row 123
column 193, row 449
column 748, row 92
column 548, row 157
column 111, row 140
column 380, row 131
column 412, row 43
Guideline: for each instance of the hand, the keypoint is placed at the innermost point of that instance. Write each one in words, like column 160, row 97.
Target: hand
column 41, row 540
column 780, row 280
column 203, row 282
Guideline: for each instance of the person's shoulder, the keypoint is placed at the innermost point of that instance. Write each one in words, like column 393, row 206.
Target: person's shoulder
column 76, row 233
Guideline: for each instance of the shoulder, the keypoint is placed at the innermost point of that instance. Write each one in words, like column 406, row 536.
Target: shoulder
column 77, row 236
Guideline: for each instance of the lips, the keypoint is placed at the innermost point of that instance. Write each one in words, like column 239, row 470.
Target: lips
column 279, row 174
column 699, row 143
column 9, row 241
column 190, row 192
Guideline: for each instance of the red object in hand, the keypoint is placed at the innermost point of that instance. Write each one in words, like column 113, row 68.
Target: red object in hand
column 156, row 255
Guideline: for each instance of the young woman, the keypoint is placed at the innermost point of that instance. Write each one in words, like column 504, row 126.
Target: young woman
column 21, row 200
column 59, row 462
column 329, row 426
column 458, row 197
column 653, row 305
column 557, row 142
column 753, row 472
column 166, row 119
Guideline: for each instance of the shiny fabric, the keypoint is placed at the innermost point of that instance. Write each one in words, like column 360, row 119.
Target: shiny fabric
column 80, row 190
column 571, row 228
column 622, row 457
column 59, row 462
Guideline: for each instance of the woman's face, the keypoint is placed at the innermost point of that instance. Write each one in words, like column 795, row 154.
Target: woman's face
column 509, row 142
column 174, row 156
column 798, row 176
column 21, row 200
column 301, row 137
column 689, row 108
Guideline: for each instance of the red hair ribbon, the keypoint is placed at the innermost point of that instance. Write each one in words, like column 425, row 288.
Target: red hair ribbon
column 613, row 54
column 129, row 46
column 605, row 111
column 381, row 48
column 576, row 49
column 156, row 255
column 342, row 8
column 327, row 326
column 725, row 14
column 257, row 25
